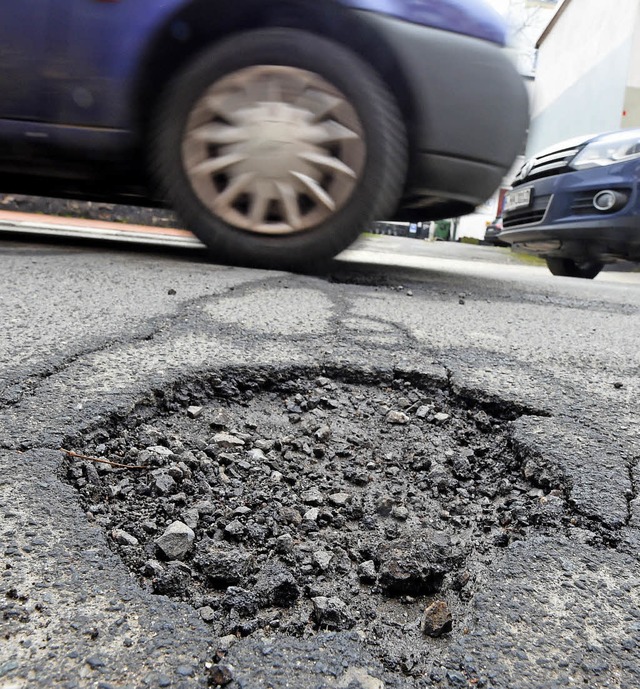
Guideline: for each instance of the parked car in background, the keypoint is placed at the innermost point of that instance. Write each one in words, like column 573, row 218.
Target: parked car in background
column 278, row 129
column 491, row 234
column 578, row 204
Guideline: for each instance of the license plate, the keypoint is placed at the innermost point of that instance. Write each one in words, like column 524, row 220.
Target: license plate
column 519, row 198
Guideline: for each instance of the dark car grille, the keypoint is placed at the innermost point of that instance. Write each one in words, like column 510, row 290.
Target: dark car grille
column 583, row 203
column 527, row 216
column 545, row 166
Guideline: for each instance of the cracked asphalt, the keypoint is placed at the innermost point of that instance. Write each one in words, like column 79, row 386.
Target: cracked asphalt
column 89, row 332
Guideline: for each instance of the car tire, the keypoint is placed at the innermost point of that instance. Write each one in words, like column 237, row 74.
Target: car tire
column 568, row 267
column 278, row 148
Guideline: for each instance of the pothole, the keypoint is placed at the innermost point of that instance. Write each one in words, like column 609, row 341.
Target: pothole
column 290, row 503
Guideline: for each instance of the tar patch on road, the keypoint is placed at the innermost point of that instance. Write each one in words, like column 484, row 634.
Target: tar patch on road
column 288, row 503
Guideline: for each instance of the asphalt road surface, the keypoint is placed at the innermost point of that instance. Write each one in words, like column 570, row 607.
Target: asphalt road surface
column 93, row 336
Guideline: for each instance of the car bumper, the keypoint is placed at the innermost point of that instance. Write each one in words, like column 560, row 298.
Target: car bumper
column 561, row 220
column 469, row 111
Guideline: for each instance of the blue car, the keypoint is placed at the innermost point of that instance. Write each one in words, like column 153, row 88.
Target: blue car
column 277, row 129
column 578, row 204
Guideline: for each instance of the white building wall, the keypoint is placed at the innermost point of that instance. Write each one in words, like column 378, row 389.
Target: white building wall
column 583, row 70
column 527, row 19
column 631, row 111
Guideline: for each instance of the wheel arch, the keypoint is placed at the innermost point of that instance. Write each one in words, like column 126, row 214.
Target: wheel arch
column 198, row 25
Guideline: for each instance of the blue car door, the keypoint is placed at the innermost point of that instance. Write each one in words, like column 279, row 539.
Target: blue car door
column 100, row 46
column 23, row 45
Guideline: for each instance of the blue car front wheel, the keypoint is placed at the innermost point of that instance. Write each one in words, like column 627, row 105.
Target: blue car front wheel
column 278, row 147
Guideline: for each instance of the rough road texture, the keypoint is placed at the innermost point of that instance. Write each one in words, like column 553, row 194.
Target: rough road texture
column 279, row 506
column 520, row 471
column 319, row 505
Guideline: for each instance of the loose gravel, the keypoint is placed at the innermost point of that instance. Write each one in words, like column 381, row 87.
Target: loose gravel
column 287, row 503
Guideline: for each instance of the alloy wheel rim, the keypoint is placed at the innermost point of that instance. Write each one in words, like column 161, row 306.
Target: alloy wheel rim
column 273, row 149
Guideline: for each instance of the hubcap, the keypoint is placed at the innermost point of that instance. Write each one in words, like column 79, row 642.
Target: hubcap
column 273, row 150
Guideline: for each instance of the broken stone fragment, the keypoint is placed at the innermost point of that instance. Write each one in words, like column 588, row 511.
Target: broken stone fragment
column 311, row 515
column 462, row 468
column 360, row 678
column 276, row 585
column 461, row 580
column 339, row 499
column 440, row 417
column 423, row 411
column 223, row 565
column 227, row 440
column 122, row 537
column 414, row 568
column 176, row 472
column 284, row 543
column 194, row 412
column 220, row 419
column 257, row 455
column 322, row 558
column 290, row 515
column 235, row 529
column 163, row 482
column 225, row 643
column 437, row 619
column 152, row 568
column 207, row 613
column 160, row 450
column 332, row 613
column 384, row 505
column 92, row 475
column 204, row 507
column 323, row 433
column 357, row 476
column 221, row 674
column 242, row 601
column 176, row 541
column 397, row 417
column 400, row 512
column 191, row 517
column 312, row 497
column 367, row 571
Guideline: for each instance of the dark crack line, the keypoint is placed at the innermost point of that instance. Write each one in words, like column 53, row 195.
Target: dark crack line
column 343, row 310
column 156, row 326
column 633, row 467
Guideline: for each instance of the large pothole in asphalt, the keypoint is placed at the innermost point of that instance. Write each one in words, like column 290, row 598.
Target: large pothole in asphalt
column 291, row 503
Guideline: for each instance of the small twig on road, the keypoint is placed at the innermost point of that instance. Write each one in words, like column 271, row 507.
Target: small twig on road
column 76, row 455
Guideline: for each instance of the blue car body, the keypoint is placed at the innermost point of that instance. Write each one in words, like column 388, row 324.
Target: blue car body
column 80, row 79
column 560, row 218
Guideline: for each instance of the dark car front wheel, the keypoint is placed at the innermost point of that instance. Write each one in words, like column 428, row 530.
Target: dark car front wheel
column 567, row 267
column 278, row 147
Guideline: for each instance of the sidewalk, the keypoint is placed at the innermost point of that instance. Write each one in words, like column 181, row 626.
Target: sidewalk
column 51, row 225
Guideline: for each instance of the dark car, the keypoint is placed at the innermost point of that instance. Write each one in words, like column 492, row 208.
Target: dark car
column 492, row 233
column 578, row 205
column 278, row 129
